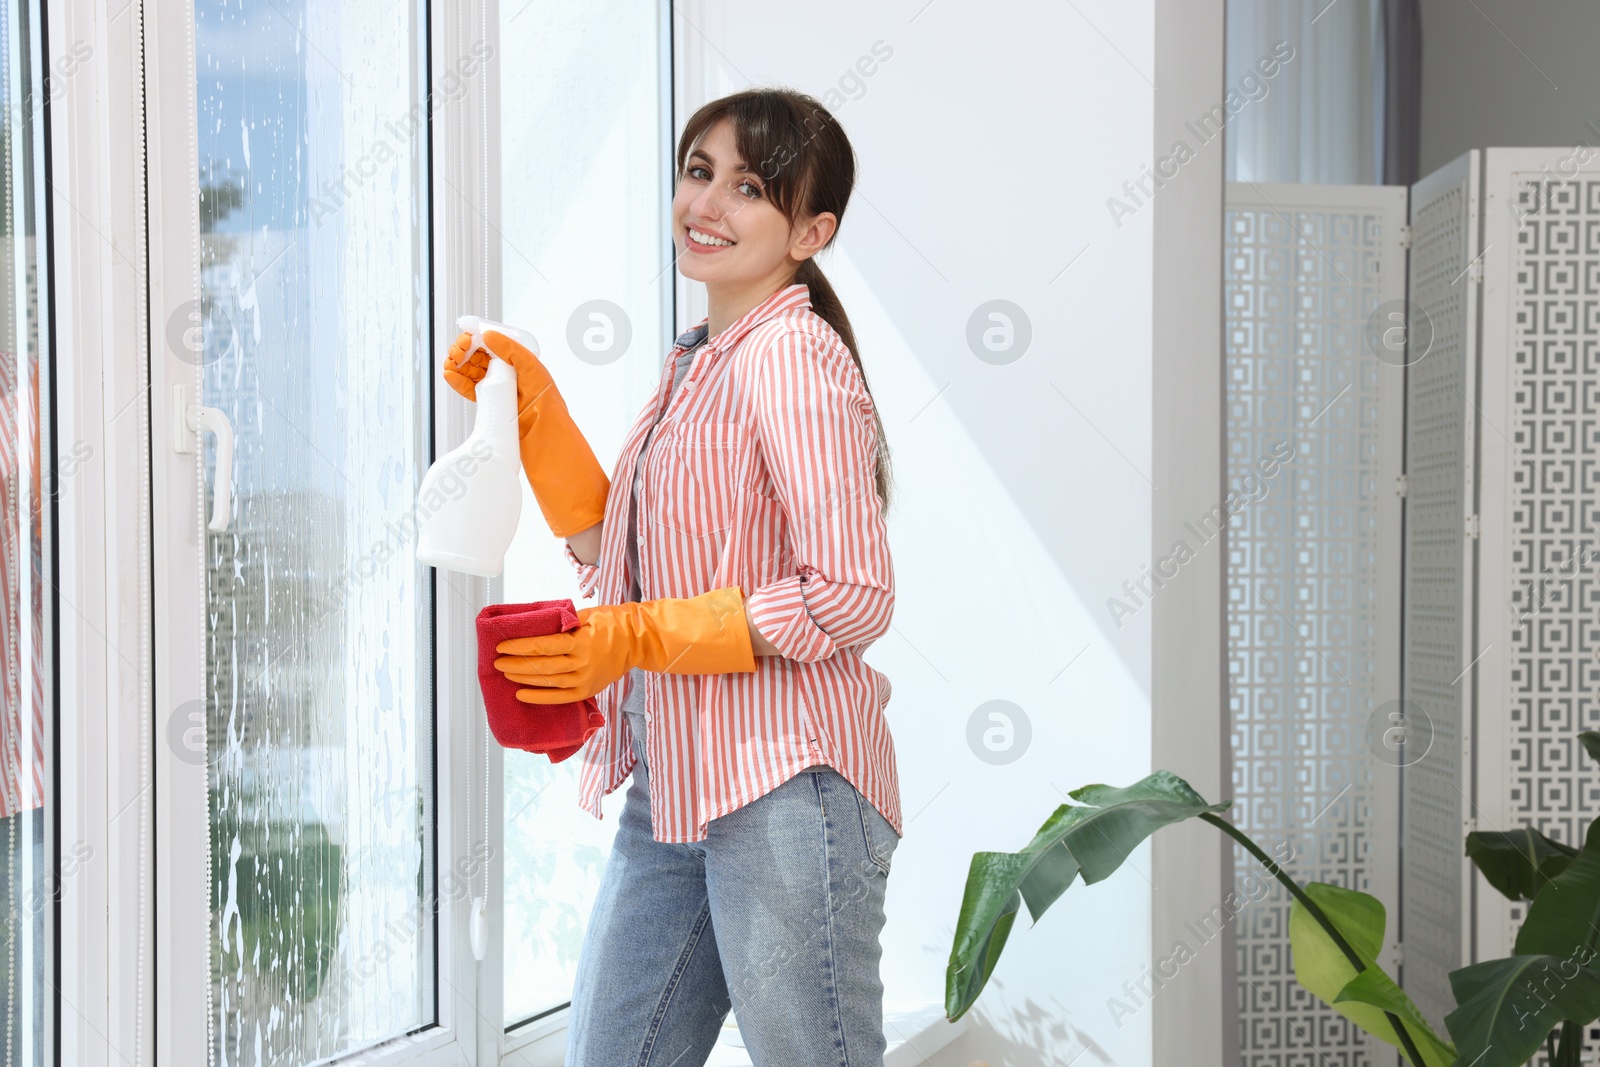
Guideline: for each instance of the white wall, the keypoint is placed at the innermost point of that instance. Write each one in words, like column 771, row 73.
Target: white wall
column 1191, row 871
column 988, row 149
column 1506, row 73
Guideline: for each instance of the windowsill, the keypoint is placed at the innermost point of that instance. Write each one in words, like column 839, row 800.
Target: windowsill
column 914, row 1034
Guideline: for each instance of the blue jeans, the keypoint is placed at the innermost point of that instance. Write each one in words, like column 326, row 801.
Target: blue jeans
column 776, row 913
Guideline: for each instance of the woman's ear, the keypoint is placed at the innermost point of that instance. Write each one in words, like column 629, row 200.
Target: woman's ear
column 814, row 235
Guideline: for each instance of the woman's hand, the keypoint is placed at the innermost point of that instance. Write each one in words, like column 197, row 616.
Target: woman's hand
column 564, row 668
column 707, row 634
column 463, row 372
column 567, row 480
column 464, row 368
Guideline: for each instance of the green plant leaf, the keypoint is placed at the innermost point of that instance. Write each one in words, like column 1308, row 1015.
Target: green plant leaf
column 1322, row 968
column 1374, row 987
column 1506, row 1007
column 988, row 910
column 1591, row 742
column 1518, row 863
column 1093, row 837
column 1562, row 918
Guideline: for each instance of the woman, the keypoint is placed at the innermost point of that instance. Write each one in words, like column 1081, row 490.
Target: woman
column 755, row 841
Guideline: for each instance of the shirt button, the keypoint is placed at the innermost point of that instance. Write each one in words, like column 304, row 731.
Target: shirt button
column 641, row 539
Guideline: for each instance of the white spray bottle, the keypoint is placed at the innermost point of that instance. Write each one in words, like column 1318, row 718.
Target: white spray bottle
column 471, row 498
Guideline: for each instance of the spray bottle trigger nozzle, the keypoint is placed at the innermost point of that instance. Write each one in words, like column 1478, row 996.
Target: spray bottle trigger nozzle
column 477, row 326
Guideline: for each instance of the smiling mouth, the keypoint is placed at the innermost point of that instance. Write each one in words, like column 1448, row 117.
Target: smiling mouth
column 709, row 243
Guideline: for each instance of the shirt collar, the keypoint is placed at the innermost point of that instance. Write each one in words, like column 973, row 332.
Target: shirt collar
column 788, row 298
column 692, row 337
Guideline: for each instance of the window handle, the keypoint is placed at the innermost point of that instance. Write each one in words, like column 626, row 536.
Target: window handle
column 190, row 419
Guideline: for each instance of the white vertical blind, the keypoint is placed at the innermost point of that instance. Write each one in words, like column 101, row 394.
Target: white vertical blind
column 1318, row 119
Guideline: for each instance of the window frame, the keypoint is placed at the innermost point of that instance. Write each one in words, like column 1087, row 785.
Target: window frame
column 541, row 1041
column 171, row 964
column 103, row 654
column 128, row 985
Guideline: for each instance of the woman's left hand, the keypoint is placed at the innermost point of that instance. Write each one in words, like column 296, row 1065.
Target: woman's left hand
column 565, row 668
column 706, row 634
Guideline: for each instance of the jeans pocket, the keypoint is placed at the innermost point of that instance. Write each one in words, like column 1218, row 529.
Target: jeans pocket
column 876, row 832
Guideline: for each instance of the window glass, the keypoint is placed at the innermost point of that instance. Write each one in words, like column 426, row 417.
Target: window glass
column 582, row 172
column 314, row 330
column 28, row 880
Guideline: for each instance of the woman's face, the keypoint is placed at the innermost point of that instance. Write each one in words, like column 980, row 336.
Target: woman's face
column 722, row 196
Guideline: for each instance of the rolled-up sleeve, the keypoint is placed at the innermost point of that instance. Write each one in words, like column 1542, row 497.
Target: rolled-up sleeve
column 588, row 573
column 819, row 440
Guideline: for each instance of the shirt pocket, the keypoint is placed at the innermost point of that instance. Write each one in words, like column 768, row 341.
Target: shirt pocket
column 697, row 477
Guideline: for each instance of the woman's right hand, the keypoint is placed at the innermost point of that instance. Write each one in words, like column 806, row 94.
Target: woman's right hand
column 464, row 371
column 568, row 482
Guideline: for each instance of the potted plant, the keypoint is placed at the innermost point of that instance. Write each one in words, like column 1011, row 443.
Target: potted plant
column 1545, row 993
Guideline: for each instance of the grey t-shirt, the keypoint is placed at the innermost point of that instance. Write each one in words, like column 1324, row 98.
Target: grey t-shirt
column 633, row 704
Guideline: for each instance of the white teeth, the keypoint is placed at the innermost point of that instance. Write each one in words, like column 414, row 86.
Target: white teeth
column 707, row 239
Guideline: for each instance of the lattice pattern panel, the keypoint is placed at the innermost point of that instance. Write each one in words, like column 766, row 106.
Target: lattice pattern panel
column 1303, row 597
column 1436, row 586
column 1553, row 679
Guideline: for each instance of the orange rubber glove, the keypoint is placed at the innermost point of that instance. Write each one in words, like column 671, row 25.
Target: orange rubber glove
column 567, row 480
column 706, row 634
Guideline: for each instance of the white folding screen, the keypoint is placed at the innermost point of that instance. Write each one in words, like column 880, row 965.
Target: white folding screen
column 1434, row 729
column 1502, row 650
column 1538, row 678
column 1313, row 540
column 1436, row 725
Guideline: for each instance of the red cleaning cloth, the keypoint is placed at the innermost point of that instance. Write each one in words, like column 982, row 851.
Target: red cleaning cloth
column 558, row 730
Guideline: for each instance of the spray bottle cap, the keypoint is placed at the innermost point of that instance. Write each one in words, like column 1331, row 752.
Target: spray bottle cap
column 477, row 326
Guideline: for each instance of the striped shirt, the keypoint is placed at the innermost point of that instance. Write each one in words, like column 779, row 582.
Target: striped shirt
column 633, row 701
column 760, row 474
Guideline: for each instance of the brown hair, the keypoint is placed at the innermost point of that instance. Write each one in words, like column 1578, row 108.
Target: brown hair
column 808, row 167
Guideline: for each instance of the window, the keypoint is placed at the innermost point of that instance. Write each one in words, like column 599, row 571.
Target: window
column 315, row 328
column 587, row 268
column 28, row 878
